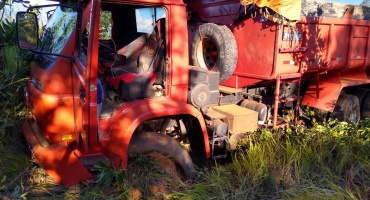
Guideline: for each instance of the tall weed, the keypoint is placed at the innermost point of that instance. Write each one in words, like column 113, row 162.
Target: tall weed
column 12, row 107
column 327, row 161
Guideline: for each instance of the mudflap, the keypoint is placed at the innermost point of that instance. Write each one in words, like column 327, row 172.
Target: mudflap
column 324, row 92
column 57, row 159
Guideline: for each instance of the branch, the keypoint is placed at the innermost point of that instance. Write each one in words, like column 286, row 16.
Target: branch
column 15, row 179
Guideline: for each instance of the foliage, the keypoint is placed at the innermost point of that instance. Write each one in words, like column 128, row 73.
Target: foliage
column 365, row 3
column 324, row 162
column 143, row 178
column 11, row 82
column 9, row 32
column 105, row 27
column 108, row 174
column 2, row 4
column 12, row 110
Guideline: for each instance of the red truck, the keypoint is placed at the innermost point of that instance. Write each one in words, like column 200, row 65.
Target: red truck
column 113, row 78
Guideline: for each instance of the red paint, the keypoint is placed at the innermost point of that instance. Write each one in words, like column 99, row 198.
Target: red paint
column 335, row 51
column 136, row 112
column 59, row 109
column 326, row 44
column 128, row 78
column 57, row 159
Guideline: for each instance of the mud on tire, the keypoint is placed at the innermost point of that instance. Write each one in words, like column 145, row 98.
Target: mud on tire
column 347, row 108
column 214, row 48
column 362, row 95
column 147, row 142
column 365, row 110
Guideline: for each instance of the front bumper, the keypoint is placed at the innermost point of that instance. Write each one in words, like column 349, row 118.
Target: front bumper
column 57, row 159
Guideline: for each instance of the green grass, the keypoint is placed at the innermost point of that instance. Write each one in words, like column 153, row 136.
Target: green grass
column 326, row 161
column 329, row 161
column 13, row 160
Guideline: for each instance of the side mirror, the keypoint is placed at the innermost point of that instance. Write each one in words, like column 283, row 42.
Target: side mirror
column 27, row 30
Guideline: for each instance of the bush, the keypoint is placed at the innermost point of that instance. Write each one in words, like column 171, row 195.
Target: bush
column 12, row 109
column 328, row 161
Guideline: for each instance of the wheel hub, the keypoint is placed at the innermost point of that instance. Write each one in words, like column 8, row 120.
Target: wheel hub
column 210, row 54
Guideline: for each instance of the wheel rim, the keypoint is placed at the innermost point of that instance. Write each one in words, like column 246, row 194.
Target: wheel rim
column 209, row 52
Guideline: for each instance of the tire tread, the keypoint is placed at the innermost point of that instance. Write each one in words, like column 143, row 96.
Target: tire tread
column 145, row 142
column 228, row 52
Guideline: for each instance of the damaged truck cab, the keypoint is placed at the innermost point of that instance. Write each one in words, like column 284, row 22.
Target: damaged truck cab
column 111, row 78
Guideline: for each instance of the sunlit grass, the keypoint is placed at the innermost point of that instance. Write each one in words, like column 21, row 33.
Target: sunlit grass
column 325, row 161
column 14, row 163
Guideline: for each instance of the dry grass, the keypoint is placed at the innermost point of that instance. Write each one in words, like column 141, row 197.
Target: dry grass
column 327, row 161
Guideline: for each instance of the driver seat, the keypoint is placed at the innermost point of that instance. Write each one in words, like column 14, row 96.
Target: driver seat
column 136, row 81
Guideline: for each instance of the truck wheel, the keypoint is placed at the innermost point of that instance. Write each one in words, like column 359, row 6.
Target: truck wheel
column 347, row 108
column 361, row 94
column 149, row 142
column 214, row 48
column 365, row 110
column 321, row 115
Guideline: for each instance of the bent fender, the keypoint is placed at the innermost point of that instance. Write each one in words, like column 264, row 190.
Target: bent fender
column 129, row 117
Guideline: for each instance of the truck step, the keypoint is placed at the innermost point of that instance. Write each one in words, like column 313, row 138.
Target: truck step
column 90, row 161
column 229, row 90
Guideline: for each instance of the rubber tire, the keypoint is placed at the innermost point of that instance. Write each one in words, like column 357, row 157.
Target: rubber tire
column 321, row 115
column 345, row 106
column 227, row 52
column 361, row 94
column 365, row 111
column 146, row 142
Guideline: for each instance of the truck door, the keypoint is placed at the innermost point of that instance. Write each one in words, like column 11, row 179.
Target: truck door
column 119, row 39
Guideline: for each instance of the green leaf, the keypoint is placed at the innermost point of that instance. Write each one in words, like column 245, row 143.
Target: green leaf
column 2, row 4
column 3, row 180
column 23, row 196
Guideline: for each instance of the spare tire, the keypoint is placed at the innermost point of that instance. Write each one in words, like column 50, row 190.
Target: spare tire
column 214, row 48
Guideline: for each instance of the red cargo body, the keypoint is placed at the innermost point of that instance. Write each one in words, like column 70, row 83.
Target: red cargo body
column 324, row 44
column 333, row 50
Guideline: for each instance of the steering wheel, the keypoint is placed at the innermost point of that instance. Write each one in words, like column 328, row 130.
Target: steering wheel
column 103, row 48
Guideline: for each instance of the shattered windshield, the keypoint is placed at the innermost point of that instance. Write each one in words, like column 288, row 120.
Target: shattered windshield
column 58, row 29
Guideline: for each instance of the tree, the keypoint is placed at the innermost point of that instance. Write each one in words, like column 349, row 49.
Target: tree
column 2, row 44
column 365, row 3
column 3, row 3
column 105, row 29
column 2, row 49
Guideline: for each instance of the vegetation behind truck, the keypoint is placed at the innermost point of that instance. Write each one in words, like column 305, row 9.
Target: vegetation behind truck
column 112, row 78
